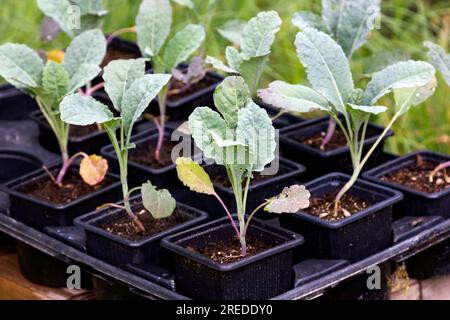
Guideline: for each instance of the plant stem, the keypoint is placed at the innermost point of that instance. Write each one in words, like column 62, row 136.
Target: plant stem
column 228, row 214
column 162, row 101
column 252, row 215
column 440, row 167
column 278, row 115
column 92, row 90
column 119, row 32
column 330, row 133
column 67, row 162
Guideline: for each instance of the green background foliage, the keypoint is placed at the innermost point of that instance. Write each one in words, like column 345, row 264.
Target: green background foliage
column 404, row 25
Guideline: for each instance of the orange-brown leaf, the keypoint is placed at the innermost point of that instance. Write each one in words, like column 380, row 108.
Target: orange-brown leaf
column 55, row 56
column 93, row 169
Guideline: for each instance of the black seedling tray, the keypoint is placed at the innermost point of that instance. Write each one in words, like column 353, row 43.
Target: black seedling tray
column 411, row 236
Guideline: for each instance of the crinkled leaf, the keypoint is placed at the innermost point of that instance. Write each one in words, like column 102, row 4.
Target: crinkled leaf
column 194, row 176
column 306, row 19
column 440, row 59
column 259, row 34
column 119, row 75
column 293, row 98
column 368, row 109
column 255, row 130
column 291, row 200
column 153, row 24
column 93, row 169
column 87, row 48
column 183, row 44
column 234, row 58
column 232, row 30
column 80, row 110
column 231, row 96
column 405, row 74
column 159, row 203
column 57, row 10
column 330, row 13
column 55, row 81
column 356, row 19
column 405, row 98
column 219, row 65
column 326, row 65
column 85, row 73
column 138, row 97
column 20, row 66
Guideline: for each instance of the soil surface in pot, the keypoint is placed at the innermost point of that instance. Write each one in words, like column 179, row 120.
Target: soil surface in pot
column 228, row 252
column 125, row 228
column 323, row 207
column 73, row 188
column 337, row 141
column 79, row 131
column 146, row 155
column 180, row 90
column 417, row 177
column 116, row 54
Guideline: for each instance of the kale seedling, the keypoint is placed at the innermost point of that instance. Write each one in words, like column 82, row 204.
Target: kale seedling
column 71, row 16
column 348, row 23
column 50, row 83
column 131, row 91
column 441, row 60
column 255, row 43
column 240, row 137
column 334, row 92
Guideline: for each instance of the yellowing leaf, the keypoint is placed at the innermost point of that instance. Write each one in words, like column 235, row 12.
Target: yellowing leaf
column 194, row 176
column 93, row 169
column 291, row 200
column 55, row 56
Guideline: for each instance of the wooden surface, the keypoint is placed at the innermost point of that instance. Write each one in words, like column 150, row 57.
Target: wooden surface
column 13, row 286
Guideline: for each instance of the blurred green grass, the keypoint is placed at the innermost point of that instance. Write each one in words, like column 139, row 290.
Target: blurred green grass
column 405, row 24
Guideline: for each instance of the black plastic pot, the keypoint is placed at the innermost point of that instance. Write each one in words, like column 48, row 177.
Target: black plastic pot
column 181, row 109
column 433, row 262
column 39, row 213
column 257, row 277
column 14, row 104
column 90, row 143
column 288, row 174
column 128, row 48
column 353, row 238
column 321, row 162
column 165, row 177
column 415, row 203
column 119, row 251
column 14, row 164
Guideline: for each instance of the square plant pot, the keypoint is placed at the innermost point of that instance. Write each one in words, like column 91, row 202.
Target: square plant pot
column 120, row 251
column 140, row 166
column 416, row 202
column 288, row 174
column 353, row 238
column 88, row 139
column 255, row 277
column 320, row 162
column 120, row 49
column 14, row 104
column 15, row 164
column 180, row 108
column 39, row 213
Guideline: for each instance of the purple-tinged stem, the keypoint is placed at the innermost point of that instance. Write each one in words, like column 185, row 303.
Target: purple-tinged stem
column 66, row 165
column 228, row 214
column 330, row 133
column 160, row 139
column 119, row 32
column 440, row 167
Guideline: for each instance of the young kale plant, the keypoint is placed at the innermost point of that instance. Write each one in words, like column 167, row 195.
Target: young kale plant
column 334, row 92
column 240, row 137
column 441, row 60
column 131, row 91
column 50, row 83
column 154, row 23
column 348, row 23
column 70, row 16
column 255, row 44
